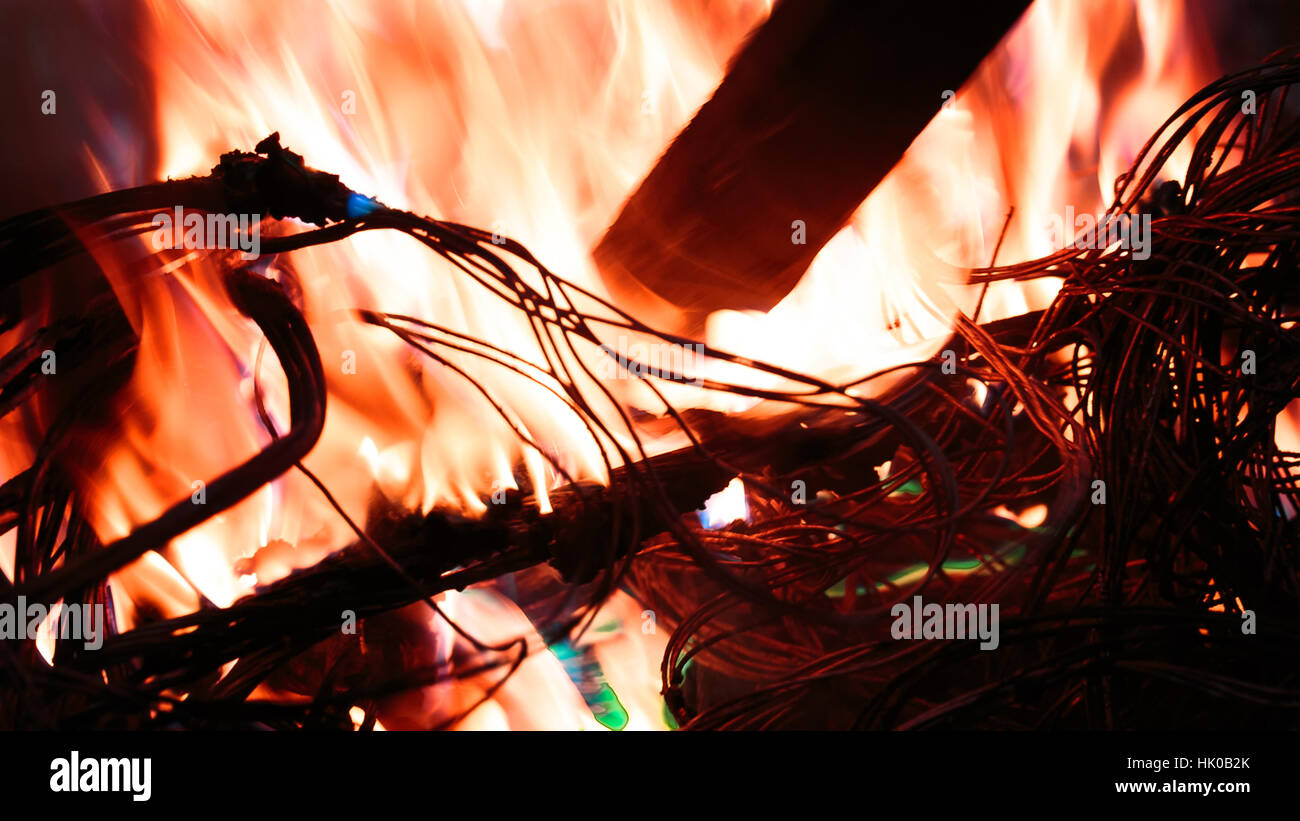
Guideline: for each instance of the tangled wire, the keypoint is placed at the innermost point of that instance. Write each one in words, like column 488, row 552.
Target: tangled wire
column 1139, row 411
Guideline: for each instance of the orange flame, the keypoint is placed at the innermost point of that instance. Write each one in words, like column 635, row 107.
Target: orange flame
column 537, row 120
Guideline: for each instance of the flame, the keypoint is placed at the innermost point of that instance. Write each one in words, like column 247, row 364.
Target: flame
column 1286, row 435
column 537, row 120
column 1050, row 119
column 469, row 111
column 544, row 156
column 726, row 506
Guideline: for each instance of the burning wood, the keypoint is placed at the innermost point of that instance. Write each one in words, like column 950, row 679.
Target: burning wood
column 1113, row 471
column 817, row 108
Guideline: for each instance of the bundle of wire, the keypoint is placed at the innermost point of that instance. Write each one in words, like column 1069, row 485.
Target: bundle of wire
column 1125, row 409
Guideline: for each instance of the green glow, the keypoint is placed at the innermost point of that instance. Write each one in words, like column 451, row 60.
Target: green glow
column 911, row 488
column 585, row 673
column 669, row 721
column 1009, row 554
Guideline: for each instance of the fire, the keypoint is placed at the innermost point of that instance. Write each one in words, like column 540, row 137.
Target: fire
column 725, row 506
column 543, row 156
column 536, row 121
column 495, row 126
column 1048, row 122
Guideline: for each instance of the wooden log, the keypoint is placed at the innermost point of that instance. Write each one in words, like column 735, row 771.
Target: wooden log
column 304, row 608
column 817, row 108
